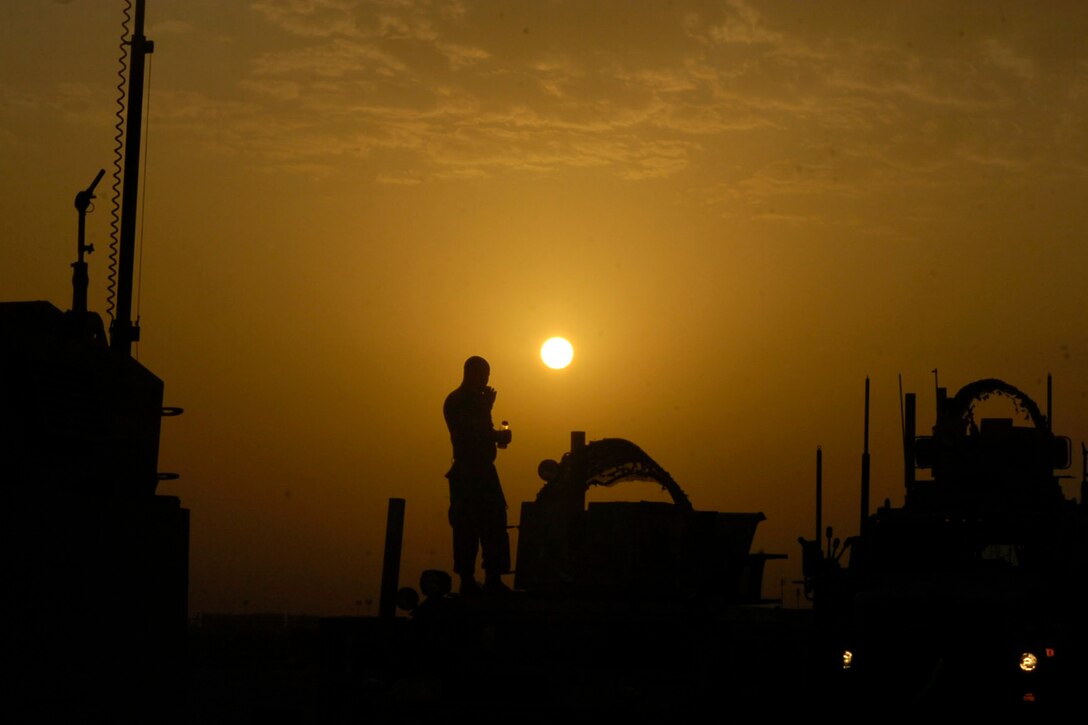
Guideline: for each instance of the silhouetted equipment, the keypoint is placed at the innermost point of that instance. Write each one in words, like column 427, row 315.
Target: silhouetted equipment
column 865, row 464
column 80, row 278
column 95, row 560
column 982, row 564
column 123, row 332
column 630, row 550
column 1084, row 473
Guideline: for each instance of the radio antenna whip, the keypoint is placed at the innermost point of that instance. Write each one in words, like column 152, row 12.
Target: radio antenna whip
column 122, row 332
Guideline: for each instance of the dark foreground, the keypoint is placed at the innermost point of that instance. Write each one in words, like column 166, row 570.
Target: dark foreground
column 521, row 663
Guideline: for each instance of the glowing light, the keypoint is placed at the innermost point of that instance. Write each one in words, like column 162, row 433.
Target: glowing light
column 1028, row 662
column 847, row 659
column 557, row 353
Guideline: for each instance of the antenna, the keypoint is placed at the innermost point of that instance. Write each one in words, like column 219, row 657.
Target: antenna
column 819, row 490
column 122, row 332
column 865, row 464
column 1049, row 402
column 937, row 392
column 902, row 419
column 909, row 428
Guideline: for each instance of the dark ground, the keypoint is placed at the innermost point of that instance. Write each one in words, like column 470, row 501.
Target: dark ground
column 521, row 663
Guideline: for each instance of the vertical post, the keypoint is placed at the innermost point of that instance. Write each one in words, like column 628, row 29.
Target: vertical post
column 865, row 466
column 1049, row 402
column 909, row 427
column 123, row 333
column 819, row 492
column 938, row 393
column 1083, row 477
column 79, row 275
column 394, row 534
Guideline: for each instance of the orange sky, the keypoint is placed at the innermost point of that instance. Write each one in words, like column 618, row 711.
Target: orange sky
column 736, row 211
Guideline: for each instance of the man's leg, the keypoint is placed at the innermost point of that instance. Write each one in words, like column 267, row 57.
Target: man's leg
column 494, row 539
column 496, row 561
column 466, row 537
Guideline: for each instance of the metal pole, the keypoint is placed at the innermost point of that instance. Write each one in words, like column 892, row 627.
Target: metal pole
column 819, row 492
column 123, row 333
column 937, row 396
column 909, row 428
column 394, row 535
column 1049, row 402
column 79, row 275
column 865, row 466
column 1083, row 476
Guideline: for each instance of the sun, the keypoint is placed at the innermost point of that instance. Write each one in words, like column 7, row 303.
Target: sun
column 556, row 353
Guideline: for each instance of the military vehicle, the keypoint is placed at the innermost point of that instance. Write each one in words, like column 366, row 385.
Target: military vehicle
column 641, row 550
column 95, row 559
column 968, row 592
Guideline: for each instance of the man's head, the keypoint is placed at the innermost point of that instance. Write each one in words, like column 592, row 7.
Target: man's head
column 477, row 372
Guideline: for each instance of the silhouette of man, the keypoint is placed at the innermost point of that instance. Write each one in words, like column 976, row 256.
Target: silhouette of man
column 477, row 506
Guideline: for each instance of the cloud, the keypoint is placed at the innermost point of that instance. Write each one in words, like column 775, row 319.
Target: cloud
column 453, row 93
column 310, row 18
column 335, row 59
column 742, row 25
column 280, row 90
column 1005, row 58
column 398, row 180
column 462, row 55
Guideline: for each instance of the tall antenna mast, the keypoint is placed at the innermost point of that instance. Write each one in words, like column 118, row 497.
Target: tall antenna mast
column 123, row 332
column 865, row 466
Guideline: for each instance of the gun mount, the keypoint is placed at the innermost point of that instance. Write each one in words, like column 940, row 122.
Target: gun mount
column 631, row 550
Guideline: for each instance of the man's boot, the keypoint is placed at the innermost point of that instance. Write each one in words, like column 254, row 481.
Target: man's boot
column 469, row 586
column 493, row 584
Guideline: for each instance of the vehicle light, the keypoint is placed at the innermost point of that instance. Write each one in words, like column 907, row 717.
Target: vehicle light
column 1028, row 662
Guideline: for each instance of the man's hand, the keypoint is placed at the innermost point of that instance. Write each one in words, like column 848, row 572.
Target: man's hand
column 489, row 396
column 503, row 437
